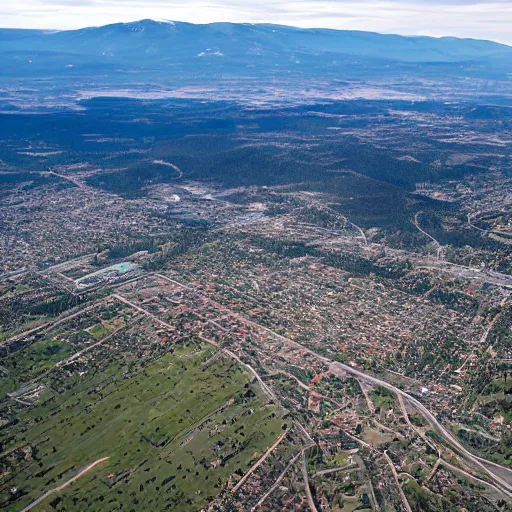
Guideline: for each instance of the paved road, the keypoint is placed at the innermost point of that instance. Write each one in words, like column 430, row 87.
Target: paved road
column 432, row 420
column 472, row 225
column 260, row 461
column 483, row 339
column 51, row 325
column 68, row 178
column 334, row 469
column 486, row 276
column 307, row 488
column 342, row 369
column 397, row 482
column 278, row 480
column 172, row 166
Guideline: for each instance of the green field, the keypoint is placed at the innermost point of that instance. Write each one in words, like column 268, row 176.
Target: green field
column 175, row 431
column 98, row 331
column 30, row 361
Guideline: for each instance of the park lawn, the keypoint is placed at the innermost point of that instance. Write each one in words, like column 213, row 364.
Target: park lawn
column 98, row 331
column 175, row 431
column 30, row 361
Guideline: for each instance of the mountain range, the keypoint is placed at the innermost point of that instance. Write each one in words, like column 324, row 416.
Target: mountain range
column 172, row 53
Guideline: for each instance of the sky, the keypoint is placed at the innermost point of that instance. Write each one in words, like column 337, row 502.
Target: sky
column 479, row 19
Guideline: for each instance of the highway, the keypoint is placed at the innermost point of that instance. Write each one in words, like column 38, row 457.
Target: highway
column 341, row 369
column 505, row 487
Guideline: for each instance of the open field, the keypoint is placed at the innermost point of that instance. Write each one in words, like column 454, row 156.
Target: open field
column 174, row 430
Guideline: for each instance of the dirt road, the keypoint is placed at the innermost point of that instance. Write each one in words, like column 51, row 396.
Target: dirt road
column 65, row 484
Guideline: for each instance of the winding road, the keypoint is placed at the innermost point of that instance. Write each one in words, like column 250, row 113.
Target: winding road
column 172, row 166
column 341, row 370
column 436, row 243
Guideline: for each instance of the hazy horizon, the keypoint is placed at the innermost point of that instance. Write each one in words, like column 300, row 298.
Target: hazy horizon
column 476, row 19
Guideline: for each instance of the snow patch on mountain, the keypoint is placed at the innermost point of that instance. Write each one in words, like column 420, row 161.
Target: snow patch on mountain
column 209, row 52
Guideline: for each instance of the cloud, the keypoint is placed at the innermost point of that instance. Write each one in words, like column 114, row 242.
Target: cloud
column 483, row 19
